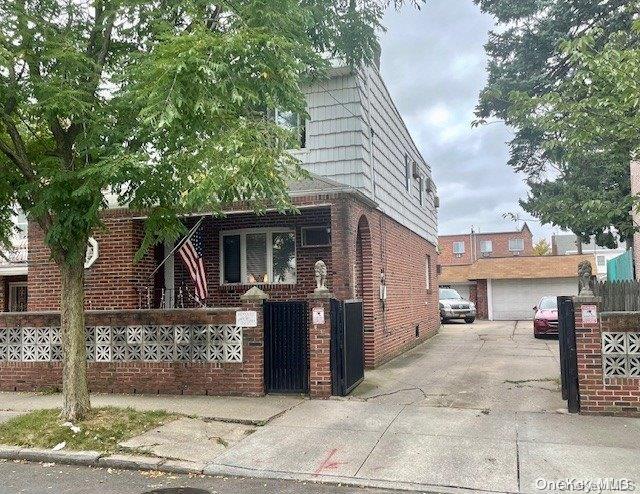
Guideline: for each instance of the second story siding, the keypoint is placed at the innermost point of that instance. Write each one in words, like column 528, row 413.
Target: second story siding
column 356, row 136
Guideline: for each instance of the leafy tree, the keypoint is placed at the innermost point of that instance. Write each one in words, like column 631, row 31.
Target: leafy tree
column 539, row 55
column 160, row 103
column 542, row 248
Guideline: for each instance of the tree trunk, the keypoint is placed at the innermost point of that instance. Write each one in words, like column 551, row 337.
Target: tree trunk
column 75, row 392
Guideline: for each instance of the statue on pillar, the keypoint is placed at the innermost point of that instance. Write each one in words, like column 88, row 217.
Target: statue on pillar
column 585, row 278
column 321, row 276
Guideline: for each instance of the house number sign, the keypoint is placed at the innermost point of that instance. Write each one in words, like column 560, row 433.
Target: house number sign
column 318, row 315
column 246, row 318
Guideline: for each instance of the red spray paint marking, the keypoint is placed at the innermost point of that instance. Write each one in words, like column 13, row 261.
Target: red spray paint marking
column 328, row 463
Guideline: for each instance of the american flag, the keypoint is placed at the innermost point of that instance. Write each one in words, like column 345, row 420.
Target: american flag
column 192, row 252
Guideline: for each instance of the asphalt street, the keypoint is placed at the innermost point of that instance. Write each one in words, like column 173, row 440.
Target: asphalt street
column 35, row 478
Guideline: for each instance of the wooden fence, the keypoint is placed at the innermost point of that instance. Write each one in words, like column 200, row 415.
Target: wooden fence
column 619, row 296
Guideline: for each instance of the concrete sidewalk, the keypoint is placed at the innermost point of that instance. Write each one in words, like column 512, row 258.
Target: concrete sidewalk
column 438, row 449
column 251, row 411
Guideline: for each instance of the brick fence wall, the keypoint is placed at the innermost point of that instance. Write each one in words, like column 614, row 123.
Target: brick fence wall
column 601, row 391
column 173, row 377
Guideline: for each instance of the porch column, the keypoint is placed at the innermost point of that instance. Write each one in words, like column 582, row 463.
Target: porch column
column 169, row 277
column 253, row 342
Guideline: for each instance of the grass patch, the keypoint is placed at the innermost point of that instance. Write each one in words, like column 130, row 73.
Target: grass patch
column 101, row 430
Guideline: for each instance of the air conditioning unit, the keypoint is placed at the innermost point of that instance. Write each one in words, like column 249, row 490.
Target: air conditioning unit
column 436, row 201
column 416, row 171
column 428, row 185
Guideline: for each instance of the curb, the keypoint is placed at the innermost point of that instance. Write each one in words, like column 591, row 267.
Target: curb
column 100, row 460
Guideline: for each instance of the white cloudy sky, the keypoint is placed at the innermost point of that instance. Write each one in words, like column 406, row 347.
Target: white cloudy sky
column 433, row 61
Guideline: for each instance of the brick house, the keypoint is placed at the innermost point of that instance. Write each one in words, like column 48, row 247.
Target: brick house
column 368, row 211
column 456, row 250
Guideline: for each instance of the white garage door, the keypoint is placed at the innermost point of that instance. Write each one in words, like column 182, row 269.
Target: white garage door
column 514, row 299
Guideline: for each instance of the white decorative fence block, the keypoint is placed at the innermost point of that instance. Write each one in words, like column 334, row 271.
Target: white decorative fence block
column 621, row 354
column 198, row 343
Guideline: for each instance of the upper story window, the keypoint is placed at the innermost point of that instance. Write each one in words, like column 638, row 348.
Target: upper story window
column 486, row 246
column 458, row 247
column 407, row 172
column 258, row 256
column 516, row 245
column 293, row 122
column 421, row 190
column 601, row 260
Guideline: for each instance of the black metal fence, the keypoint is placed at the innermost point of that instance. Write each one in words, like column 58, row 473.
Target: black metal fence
column 568, row 354
column 618, row 296
column 347, row 346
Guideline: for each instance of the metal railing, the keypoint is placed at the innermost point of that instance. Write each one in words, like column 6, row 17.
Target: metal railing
column 168, row 298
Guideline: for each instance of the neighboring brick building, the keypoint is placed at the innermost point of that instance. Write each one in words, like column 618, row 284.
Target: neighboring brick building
column 457, row 250
column 368, row 211
column 507, row 288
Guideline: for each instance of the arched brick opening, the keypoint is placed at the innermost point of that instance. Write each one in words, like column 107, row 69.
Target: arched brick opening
column 364, row 282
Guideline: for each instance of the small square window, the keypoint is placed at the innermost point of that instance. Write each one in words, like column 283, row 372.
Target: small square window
column 316, row 236
column 516, row 245
column 601, row 261
column 458, row 247
column 486, row 246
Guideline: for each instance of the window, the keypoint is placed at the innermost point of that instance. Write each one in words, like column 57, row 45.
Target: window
column 421, row 192
column 18, row 297
column 258, row 256
column 486, row 246
column 407, row 172
column 601, row 261
column 458, row 247
column 516, row 245
column 316, row 236
column 428, row 273
column 293, row 122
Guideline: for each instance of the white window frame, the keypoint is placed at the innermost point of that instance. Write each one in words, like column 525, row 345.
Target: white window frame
column 315, row 227
column 12, row 285
column 407, row 173
column 421, row 192
column 482, row 243
column 600, row 257
column 428, row 272
column 243, row 253
column 521, row 242
column 460, row 242
column 301, row 127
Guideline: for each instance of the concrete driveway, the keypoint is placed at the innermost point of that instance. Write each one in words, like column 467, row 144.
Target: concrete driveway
column 475, row 408
column 486, row 366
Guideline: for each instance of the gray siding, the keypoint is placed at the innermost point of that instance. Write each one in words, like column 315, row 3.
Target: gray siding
column 341, row 146
column 334, row 131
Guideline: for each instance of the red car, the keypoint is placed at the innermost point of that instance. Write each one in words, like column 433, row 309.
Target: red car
column 545, row 321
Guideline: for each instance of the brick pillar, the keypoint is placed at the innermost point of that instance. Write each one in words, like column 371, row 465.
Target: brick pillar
column 253, row 341
column 320, row 347
column 589, row 356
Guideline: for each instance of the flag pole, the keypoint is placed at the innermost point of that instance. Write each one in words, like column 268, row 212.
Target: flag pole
column 178, row 245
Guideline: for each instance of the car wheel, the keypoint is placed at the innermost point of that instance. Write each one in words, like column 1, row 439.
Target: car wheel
column 469, row 320
column 537, row 336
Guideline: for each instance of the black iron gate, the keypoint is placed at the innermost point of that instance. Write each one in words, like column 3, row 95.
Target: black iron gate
column 286, row 347
column 568, row 354
column 347, row 346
